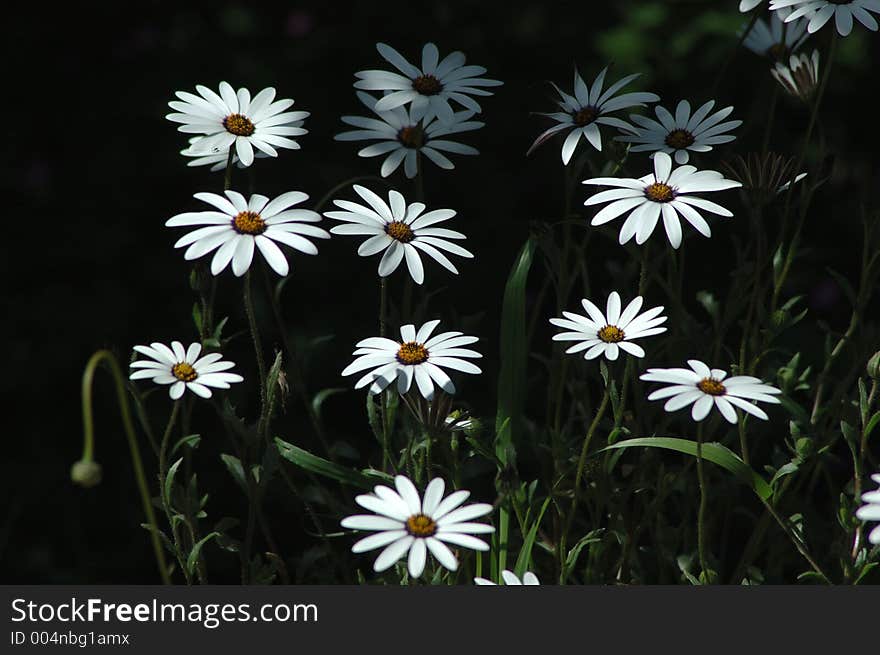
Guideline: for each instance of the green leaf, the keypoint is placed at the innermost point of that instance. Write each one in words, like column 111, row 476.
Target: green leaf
column 323, row 467
column 525, row 553
column 514, row 356
column 322, row 395
column 169, row 480
column 193, row 557
column 872, row 424
column 594, row 536
column 712, row 452
column 233, row 465
column 190, row 440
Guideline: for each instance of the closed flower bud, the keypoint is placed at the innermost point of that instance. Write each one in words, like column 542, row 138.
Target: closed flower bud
column 86, row 473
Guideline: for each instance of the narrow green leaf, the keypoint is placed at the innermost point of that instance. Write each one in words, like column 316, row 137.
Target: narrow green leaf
column 323, row 467
column 193, row 557
column 233, row 465
column 190, row 440
column 525, row 553
column 322, row 395
column 712, row 452
column 169, row 480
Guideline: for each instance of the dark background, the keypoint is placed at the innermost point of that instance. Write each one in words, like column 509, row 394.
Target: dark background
column 93, row 171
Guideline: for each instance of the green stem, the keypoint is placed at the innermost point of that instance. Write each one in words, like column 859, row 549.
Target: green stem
column 701, row 514
column 227, row 177
column 166, row 503
column 258, row 349
column 87, row 464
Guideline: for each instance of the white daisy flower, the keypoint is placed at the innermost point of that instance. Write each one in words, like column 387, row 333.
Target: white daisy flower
column 746, row 6
column 680, row 133
column 775, row 39
column 405, row 523
column 233, row 118
column 429, row 88
column 665, row 191
column 183, row 369
column 402, row 231
column 703, row 387
column 609, row 333
column 216, row 160
column 819, row 12
column 241, row 224
column 801, row 77
column 417, row 356
column 870, row 511
column 589, row 108
column 510, row 579
column 402, row 137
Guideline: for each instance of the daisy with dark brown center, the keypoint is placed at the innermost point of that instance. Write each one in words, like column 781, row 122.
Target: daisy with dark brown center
column 183, row 369
column 418, row 357
column 237, row 226
column 232, row 119
column 399, row 231
column 403, row 137
column 682, row 133
column 666, row 192
column 427, row 90
column 405, row 524
column 582, row 113
column 703, row 388
column 773, row 38
column 608, row 333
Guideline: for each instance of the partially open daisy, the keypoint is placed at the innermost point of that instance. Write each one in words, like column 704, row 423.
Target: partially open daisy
column 510, row 579
column 399, row 229
column 590, row 107
column 183, row 369
column 800, row 78
column 704, row 388
column 681, row 133
column 609, row 333
column 819, row 12
column 428, row 89
column 870, row 511
column 664, row 192
column 774, row 39
column 417, row 356
column 242, row 224
column 402, row 137
column 233, row 118
column 405, row 523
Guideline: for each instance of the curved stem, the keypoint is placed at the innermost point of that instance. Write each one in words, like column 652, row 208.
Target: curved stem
column 105, row 356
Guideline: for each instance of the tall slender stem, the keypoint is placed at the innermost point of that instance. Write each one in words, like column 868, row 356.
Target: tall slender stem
column 701, row 513
column 258, row 349
column 163, row 476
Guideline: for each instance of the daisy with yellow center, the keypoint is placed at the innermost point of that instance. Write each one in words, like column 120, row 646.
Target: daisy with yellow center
column 608, row 333
column 703, row 388
column 402, row 136
column 232, row 119
column 428, row 90
column 183, row 369
column 665, row 192
column 237, row 226
column 399, row 231
column 405, row 524
column 682, row 133
column 416, row 357
column 582, row 113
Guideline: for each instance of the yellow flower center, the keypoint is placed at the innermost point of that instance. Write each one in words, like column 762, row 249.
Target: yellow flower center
column 420, row 525
column 184, row 372
column 248, row 223
column 400, row 231
column 411, row 137
column 585, row 116
column 611, row 334
column 427, row 85
column 239, row 125
column 711, row 386
column 412, row 352
column 659, row 192
column 679, row 139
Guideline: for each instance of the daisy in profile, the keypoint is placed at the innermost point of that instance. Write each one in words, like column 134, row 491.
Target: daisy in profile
column 819, row 12
column 801, row 77
column 402, row 137
column 870, row 511
column 677, row 135
column 510, row 579
column 665, row 192
column 775, row 39
column 429, row 89
column 183, row 369
column 399, row 230
column 405, row 524
column 609, row 333
column 417, row 356
column 704, row 388
column 234, row 119
column 587, row 109
column 236, row 225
